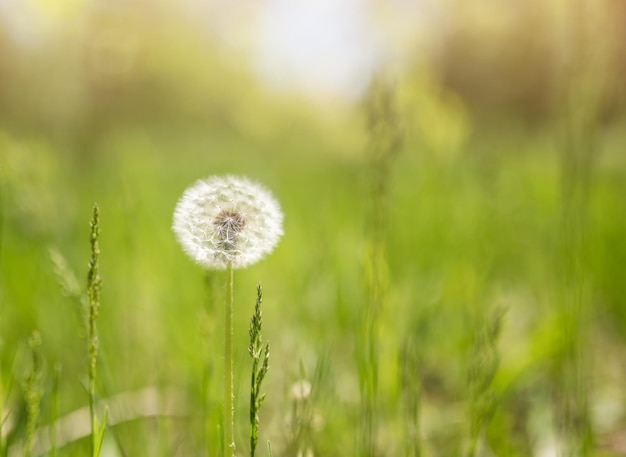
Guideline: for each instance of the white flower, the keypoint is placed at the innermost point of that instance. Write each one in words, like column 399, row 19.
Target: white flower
column 227, row 219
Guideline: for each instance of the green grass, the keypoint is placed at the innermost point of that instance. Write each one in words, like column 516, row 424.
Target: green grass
column 470, row 228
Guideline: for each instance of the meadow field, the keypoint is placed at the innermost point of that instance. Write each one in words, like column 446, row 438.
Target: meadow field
column 451, row 279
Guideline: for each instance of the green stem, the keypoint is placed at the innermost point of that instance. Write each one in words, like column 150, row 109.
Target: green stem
column 93, row 348
column 229, row 411
column 93, row 293
column 54, row 417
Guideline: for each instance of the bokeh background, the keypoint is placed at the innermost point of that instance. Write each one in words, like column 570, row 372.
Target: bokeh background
column 508, row 189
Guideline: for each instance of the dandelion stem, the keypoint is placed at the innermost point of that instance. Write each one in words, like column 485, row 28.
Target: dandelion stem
column 229, row 411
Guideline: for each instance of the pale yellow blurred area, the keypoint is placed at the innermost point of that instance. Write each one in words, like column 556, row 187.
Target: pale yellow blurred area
column 76, row 67
column 58, row 10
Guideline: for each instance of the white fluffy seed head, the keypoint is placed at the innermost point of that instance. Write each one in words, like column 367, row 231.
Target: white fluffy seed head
column 227, row 219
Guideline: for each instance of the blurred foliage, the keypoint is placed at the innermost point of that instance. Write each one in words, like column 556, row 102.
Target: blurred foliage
column 89, row 66
column 520, row 59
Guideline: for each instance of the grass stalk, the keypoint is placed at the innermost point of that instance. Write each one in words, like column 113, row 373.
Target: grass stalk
column 384, row 145
column 260, row 364
column 229, row 396
column 411, row 391
column 2, row 393
column 2, row 419
column 588, row 74
column 484, row 361
column 33, row 393
column 94, row 283
column 54, row 411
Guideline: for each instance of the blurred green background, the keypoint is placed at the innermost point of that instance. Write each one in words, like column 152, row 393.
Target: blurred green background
column 509, row 190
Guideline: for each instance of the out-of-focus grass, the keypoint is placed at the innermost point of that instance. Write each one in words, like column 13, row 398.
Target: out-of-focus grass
column 466, row 234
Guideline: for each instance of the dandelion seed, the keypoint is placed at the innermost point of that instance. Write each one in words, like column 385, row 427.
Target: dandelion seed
column 222, row 220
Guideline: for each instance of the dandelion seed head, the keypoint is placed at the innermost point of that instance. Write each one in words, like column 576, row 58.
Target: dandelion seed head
column 227, row 219
column 228, row 225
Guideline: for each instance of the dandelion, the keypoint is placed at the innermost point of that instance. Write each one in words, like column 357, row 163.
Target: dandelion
column 225, row 223
column 227, row 220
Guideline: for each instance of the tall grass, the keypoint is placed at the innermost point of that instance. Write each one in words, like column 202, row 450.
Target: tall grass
column 586, row 81
column 260, row 354
column 94, row 284
column 439, row 241
column 33, row 393
column 384, row 145
column 483, row 362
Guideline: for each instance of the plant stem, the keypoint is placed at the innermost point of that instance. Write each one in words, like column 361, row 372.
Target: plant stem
column 93, row 291
column 229, row 411
column 54, row 416
column 384, row 145
column 257, row 351
column 33, row 393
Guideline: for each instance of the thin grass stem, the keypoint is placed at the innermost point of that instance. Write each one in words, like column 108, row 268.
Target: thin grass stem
column 54, row 413
column 260, row 364
column 94, row 282
column 33, row 393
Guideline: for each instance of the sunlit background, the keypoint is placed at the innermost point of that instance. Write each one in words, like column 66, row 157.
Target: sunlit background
column 508, row 190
